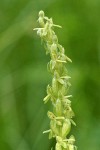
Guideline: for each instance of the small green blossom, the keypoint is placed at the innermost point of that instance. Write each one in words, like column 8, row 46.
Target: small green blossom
column 62, row 113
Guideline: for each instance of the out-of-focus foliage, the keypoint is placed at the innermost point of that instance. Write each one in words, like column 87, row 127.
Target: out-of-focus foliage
column 23, row 74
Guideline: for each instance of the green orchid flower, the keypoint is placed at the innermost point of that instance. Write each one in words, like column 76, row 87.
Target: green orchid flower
column 61, row 116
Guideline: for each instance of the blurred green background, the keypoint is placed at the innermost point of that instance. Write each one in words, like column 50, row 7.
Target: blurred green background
column 24, row 76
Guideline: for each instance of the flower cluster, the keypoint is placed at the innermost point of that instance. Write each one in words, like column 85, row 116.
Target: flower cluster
column 62, row 113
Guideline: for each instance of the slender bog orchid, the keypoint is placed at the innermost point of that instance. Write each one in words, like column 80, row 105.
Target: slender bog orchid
column 57, row 92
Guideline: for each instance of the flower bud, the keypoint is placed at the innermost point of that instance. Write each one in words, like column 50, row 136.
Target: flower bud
column 41, row 21
column 55, row 39
column 53, row 48
column 58, row 107
column 71, row 147
column 58, row 147
column 66, row 127
column 41, row 13
column 39, row 32
column 54, row 86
